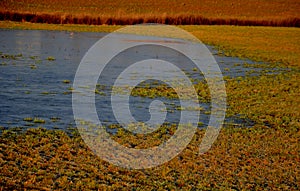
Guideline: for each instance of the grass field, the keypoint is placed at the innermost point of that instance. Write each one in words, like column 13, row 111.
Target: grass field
column 235, row 12
column 264, row 157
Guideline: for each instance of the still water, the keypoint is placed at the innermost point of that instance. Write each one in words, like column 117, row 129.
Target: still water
column 37, row 69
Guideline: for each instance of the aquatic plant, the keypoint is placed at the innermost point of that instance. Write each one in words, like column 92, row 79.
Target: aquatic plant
column 67, row 92
column 162, row 90
column 33, row 57
column 50, row 58
column 55, row 119
column 28, row 119
column 11, row 56
column 38, row 120
column 99, row 92
column 66, row 81
column 32, row 66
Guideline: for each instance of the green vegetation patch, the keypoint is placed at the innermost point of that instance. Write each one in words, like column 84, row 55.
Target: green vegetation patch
column 268, row 44
column 241, row 158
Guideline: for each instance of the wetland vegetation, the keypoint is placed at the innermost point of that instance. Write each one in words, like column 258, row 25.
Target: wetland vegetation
column 120, row 12
column 263, row 157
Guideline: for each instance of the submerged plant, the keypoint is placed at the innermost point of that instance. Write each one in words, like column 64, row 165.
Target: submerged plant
column 39, row 120
column 11, row 56
column 66, row 81
column 55, row 119
column 32, row 66
column 50, row 58
column 28, row 119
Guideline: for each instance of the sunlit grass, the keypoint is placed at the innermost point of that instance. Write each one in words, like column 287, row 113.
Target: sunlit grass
column 270, row 100
column 65, row 27
column 103, row 11
column 271, row 44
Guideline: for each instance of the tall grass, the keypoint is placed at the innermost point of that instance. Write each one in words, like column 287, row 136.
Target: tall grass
column 138, row 19
column 178, row 12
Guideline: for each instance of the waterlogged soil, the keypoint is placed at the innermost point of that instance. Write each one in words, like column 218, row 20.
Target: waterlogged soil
column 37, row 69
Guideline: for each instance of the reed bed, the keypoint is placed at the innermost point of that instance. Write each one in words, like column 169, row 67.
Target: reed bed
column 131, row 20
column 120, row 12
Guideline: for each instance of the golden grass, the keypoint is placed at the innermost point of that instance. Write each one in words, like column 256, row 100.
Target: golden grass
column 252, row 9
column 64, row 27
column 255, row 12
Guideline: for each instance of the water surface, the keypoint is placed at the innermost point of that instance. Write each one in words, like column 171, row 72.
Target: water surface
column 37, row 69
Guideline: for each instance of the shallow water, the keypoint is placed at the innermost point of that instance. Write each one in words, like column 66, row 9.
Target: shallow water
column 35, row 86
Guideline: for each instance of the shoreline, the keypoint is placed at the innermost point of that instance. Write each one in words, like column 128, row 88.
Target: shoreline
column 249, row 42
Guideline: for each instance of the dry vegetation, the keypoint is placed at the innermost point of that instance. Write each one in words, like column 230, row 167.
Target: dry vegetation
column 237, row 12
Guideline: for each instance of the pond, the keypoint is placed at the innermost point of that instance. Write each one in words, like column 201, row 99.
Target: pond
column 37, row 69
